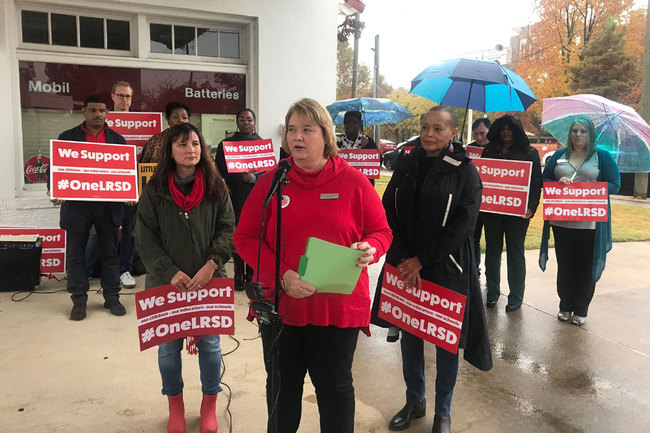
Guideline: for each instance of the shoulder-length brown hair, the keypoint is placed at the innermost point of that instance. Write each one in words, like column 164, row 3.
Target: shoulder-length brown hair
column 215, row 187
column 313, row 111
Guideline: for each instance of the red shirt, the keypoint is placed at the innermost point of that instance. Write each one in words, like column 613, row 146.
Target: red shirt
column 90, row 138
column 355, row 214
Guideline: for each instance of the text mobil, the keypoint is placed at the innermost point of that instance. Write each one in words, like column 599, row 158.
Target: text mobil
column 367, row 161
column 253, row 155
column 165, row 313
column 53, row 246
column 505, row 185
column 580, row 201
column 93, row 171
column 432, row 313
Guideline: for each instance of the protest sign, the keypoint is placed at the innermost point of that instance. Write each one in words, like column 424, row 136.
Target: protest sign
column 474, row 151
column 135, row 127
column 145, row 171
column 433, row 313
column 367, row 161
column 93, row 171
column 253, row 155
column 505, row 185
column 580, row 201
column 53, row 247
column 164, row 313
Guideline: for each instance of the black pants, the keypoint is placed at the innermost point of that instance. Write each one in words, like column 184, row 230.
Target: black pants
column 574, row 249
column 514, row 229
column 326, row 352
column 77, row 238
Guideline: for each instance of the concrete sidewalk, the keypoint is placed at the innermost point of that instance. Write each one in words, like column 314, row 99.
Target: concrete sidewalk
column 89, row 376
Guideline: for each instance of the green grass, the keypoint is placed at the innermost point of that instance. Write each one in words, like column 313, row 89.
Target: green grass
column 629, row 223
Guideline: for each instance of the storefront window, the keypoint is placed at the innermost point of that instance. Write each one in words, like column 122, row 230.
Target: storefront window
column 229, row 44
column 184, row 40
column 208, row 42
column 91, row 32
column 64, row 30
column 118, row 35
column 35, row 27
column 197, row 41
column 161, row 38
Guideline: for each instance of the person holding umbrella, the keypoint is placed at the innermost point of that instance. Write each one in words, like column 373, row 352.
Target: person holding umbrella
column 507, row 140
column 580, row 246
column 353, row 137
column 432, row 202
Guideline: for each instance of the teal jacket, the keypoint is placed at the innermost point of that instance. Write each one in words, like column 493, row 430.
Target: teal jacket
column 603, row 238
column 168, row 242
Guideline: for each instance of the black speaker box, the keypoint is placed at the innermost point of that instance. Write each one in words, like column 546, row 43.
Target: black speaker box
column 20, row 265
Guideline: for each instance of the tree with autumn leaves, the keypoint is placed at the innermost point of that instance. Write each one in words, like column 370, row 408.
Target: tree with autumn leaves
column 556, row 58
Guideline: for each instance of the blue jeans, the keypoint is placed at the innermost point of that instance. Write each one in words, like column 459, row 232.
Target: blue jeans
column 413, row 370
column 169, row 363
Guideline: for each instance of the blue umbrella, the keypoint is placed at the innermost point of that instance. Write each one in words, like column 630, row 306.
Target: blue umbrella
column 477, row 84
column 376, row 111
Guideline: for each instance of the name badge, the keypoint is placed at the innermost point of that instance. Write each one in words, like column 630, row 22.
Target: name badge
column 332, row 196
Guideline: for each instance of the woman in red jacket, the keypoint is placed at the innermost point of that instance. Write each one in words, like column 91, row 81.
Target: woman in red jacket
column 327, row 199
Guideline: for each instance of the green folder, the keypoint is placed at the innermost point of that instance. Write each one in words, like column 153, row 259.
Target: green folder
column 329, row 267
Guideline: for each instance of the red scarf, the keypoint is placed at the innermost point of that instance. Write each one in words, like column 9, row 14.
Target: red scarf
column 187, row 202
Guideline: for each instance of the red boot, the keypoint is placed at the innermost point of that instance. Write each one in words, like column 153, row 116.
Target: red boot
column 176, row 423
column 209, row 422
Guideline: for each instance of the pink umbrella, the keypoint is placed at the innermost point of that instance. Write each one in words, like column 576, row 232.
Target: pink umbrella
column 619, row 128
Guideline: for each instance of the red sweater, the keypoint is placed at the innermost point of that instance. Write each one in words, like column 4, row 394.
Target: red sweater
column 355, row 215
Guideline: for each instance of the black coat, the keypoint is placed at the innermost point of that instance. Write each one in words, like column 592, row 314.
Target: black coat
column 239, row 190
column 441, row 235
column 521, row 152
column 75, row 213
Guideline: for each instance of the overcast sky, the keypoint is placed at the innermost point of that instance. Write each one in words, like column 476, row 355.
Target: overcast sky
column 414, row 34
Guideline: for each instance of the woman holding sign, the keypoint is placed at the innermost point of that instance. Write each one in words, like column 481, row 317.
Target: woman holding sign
column 432, row 202
column 327, row 199
column 580, row 246
column 508, row 140
column 240, row 185
column 184, row 233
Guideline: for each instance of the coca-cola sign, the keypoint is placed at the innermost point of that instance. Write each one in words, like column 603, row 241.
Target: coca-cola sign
column 36, row 169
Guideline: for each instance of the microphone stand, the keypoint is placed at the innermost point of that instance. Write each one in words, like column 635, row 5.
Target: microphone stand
column 277, row 323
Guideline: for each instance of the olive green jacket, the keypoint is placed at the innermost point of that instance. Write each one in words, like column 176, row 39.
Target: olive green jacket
column 168, row 241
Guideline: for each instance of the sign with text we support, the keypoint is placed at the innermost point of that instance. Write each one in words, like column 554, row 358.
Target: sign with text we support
column 93, row 171
column 580, row 201
column 253, row 155
column 506, row 184
column 433, row 313
column 367, row 161
column 164, row 313
column 135, row 127
column 53, row 247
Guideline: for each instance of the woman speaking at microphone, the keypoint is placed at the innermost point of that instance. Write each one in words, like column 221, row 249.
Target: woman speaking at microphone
column 432, row 203
column 580, row 246
column 184, row 233
column 326, row 199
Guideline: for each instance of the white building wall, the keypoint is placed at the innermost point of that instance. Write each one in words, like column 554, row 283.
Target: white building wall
column 292, row 55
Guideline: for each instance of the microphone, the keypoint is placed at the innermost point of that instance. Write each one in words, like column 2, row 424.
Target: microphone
column 283, row 168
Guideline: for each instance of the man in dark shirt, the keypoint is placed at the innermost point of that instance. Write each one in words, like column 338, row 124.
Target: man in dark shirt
column 78, row 216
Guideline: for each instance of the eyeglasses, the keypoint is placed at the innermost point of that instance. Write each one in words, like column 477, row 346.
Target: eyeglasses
column 120, row 95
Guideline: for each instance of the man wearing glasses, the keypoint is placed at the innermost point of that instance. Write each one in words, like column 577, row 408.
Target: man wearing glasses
column 122, row 96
